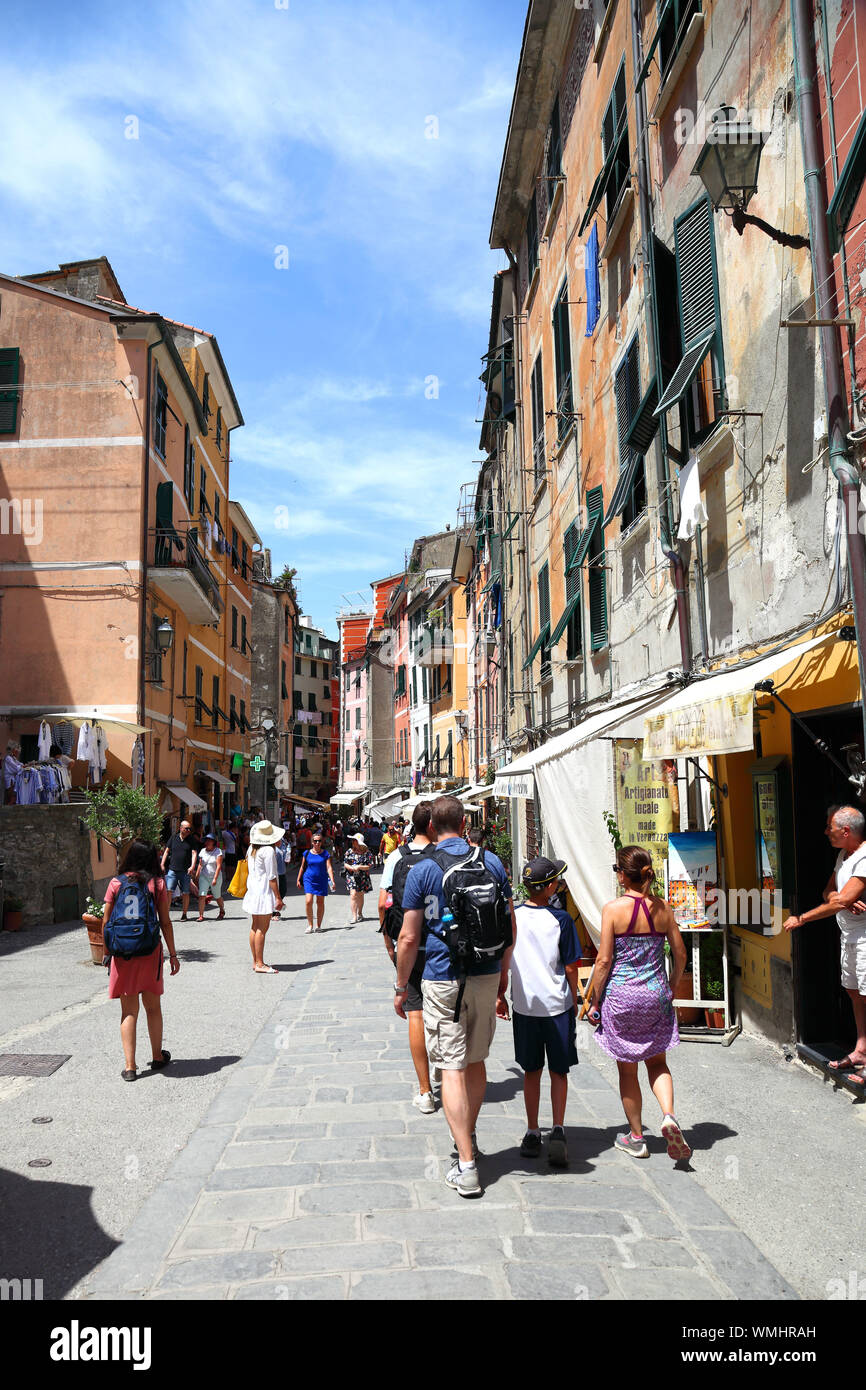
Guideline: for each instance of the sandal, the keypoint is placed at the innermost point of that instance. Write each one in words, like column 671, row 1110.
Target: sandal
column 845, row 1064
column 166, row 1058
column 129, row 1075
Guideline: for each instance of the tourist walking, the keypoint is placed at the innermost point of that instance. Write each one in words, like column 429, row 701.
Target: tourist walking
column 209, row 876
column 230, row 851
column 263, row 890
column 457, row 1046
column 357, row 864
column 638, row 1023
column 544, row 984
column 181, row 857
column 314, row 875
column 144, row 901
column 391, row 889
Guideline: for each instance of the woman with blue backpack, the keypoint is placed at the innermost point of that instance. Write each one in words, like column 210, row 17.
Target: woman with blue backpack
column 136, row 911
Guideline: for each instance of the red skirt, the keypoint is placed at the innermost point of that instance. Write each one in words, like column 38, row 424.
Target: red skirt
column 140, row 974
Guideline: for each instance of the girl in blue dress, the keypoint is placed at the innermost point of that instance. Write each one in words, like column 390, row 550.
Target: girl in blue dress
column 314, row 874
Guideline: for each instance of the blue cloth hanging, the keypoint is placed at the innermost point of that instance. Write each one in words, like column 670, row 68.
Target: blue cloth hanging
column 593, row 286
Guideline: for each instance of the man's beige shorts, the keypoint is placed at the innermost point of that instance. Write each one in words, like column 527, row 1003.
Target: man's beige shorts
column 455, row 1046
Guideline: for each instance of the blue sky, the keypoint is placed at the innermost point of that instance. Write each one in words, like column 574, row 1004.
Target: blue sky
column 306, row 127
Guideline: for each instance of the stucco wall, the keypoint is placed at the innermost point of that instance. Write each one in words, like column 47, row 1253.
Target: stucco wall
column 43, row 848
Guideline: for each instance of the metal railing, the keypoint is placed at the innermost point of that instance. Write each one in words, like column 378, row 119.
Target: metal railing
column 177, row 547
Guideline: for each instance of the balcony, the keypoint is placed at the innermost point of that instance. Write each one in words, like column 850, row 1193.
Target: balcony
column 181, row 571
column 432, row 646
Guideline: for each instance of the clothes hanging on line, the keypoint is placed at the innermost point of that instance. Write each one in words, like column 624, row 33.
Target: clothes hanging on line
column 86, row 743
column 45, row 739
column 137, row 761
column 64, row 736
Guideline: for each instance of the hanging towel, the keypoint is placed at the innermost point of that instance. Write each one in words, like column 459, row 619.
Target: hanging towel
column 593, row 284
column 692, row 510
column 45, row 739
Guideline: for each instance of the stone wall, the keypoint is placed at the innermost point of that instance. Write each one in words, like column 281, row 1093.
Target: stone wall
column 43, row 848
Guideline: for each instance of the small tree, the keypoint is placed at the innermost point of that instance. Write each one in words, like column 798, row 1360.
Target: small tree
column 120, row 813
column 286, row 580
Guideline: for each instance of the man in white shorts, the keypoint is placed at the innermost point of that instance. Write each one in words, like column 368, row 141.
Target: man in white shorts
column 843, row 896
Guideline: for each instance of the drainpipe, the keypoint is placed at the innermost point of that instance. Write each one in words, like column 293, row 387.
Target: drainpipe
column 142, row 617
column 523, row 548
column 646, row 227
column 835, row 395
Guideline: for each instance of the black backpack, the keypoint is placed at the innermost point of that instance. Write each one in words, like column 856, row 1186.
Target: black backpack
column 481, row 929
column 409, row 857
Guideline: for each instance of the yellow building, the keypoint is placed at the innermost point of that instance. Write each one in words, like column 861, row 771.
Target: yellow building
column 449, row 716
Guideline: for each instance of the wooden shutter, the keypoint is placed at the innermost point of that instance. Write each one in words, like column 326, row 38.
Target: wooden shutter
column 696, row 273
column 9, row 377
column 597, row 573
column 543, row 597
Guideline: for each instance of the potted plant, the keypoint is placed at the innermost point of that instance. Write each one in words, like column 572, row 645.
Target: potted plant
column 92, row 919
column 13, row 913
column 120, row 813
column 715, row 1017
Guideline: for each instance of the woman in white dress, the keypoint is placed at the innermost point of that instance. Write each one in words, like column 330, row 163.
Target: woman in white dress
column 262, row 897
column 209, row 876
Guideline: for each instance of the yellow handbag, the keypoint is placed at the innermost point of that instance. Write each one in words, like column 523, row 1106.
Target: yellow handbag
column 238, row 885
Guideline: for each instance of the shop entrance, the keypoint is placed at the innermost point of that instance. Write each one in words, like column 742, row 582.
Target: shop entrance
column 825, row 1022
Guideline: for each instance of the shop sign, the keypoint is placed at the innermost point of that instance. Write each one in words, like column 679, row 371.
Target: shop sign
column 705, row 728
column 516, row 785
column 647, row 800
column 692, row 877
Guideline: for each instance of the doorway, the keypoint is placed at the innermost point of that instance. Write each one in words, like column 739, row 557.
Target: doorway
column 825, row 1021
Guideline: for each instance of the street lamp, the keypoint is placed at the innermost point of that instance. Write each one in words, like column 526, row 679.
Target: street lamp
column 728, row 168
column 164, row 636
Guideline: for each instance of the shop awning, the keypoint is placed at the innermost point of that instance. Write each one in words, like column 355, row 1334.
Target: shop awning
column 217, row 777
column 714, row 715
column 186, row 795
column 475, row 794
column 96, row 716
column 390, row 799
column 343, row 799
column 307, row 801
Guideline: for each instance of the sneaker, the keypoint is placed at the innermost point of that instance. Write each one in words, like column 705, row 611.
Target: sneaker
column 466, row 1181
column 425, row 1103
column 557, row 1149
column 475, row 1150
column 636, row 1147
column 673, row 1135
column 530, row 1146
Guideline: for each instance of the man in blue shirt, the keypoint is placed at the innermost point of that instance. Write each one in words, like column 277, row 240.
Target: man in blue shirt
column 458, row 1049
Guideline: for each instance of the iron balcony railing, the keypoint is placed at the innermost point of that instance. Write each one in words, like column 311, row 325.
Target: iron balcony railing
column 176, row 547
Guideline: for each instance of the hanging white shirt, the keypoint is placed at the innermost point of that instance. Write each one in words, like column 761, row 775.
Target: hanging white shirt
column 84, row 752
column 692, row 509
column 45, row 739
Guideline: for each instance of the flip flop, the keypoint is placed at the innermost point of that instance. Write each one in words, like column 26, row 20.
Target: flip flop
column 265, row 970
column 848, row 1063
column 673, row 1135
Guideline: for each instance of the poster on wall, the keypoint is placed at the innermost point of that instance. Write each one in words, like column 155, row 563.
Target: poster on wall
column 765, row 803
column 647, row 800
column 692, row 875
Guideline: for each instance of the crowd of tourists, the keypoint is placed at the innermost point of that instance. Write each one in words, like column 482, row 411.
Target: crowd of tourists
column 458, row 944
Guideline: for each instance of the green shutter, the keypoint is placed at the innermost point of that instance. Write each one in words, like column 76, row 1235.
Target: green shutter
column 697, row 286
column 596, row 572
column 9, row 376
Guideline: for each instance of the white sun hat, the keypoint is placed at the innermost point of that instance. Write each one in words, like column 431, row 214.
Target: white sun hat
column 263, row 833
column 359, row 837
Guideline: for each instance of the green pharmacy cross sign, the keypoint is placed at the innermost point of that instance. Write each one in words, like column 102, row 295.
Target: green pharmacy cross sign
column 257, row 763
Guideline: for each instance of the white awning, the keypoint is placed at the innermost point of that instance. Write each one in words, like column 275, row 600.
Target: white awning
column 96, row 716
column 476, row 793
column 184, row 794
column 392, row 799
column 216, row 777
column 714, row 715
column 343, row 799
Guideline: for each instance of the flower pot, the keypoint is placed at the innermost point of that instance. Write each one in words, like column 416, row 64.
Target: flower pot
column 13, row 919
column 685, row 1012
column 715, row 1018
column 95, row 937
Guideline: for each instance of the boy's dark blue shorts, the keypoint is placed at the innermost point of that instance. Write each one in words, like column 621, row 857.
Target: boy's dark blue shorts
column 555, row 1036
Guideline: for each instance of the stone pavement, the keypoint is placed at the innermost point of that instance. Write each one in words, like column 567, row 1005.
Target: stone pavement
column 312, row 1176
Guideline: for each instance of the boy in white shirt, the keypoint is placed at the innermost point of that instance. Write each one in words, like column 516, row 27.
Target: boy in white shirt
column 544, row 986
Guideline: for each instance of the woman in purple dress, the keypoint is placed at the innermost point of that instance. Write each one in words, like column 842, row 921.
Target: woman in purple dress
column 638, row 1023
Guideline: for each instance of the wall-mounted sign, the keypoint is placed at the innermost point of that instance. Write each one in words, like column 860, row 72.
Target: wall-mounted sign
column 723, row 725
column 518, row 784
column 692, row 874
column 647, row 800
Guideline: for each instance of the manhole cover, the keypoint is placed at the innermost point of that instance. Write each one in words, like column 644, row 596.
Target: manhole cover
column 316, row 1018
column 42, row 1119
column 31, row 1064
column 39, row 1163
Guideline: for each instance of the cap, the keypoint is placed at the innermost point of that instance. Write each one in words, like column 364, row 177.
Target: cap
column 539, row 872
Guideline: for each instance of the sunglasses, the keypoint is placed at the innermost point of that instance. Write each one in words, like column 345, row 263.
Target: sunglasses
column 616, row 868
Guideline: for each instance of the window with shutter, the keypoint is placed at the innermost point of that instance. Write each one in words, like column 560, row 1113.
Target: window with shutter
column 215, row 701
column 629, row 498
column 554, row 151
column 199, row 701
column 536, row 391
column 697, row 384
column 160, row 412
column 233, row 713
column 532, row 237
column 544, row 619
column 570, row 618
column 284, row 689
column 202, row 489
column 562, row 358
column 614, row 140
column 234, row 627
column 205, row 401
column 597, row 574
column 219, row 428
column 244, row 643
column 674, row 19
column 10, row 375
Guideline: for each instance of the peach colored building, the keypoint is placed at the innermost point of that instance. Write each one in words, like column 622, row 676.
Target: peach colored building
column 118, row 536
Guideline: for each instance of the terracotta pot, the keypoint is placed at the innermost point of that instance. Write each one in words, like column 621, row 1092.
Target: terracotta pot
column 685, row 990
column 95, row 937
column 13, row 919
column 715, row 1018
